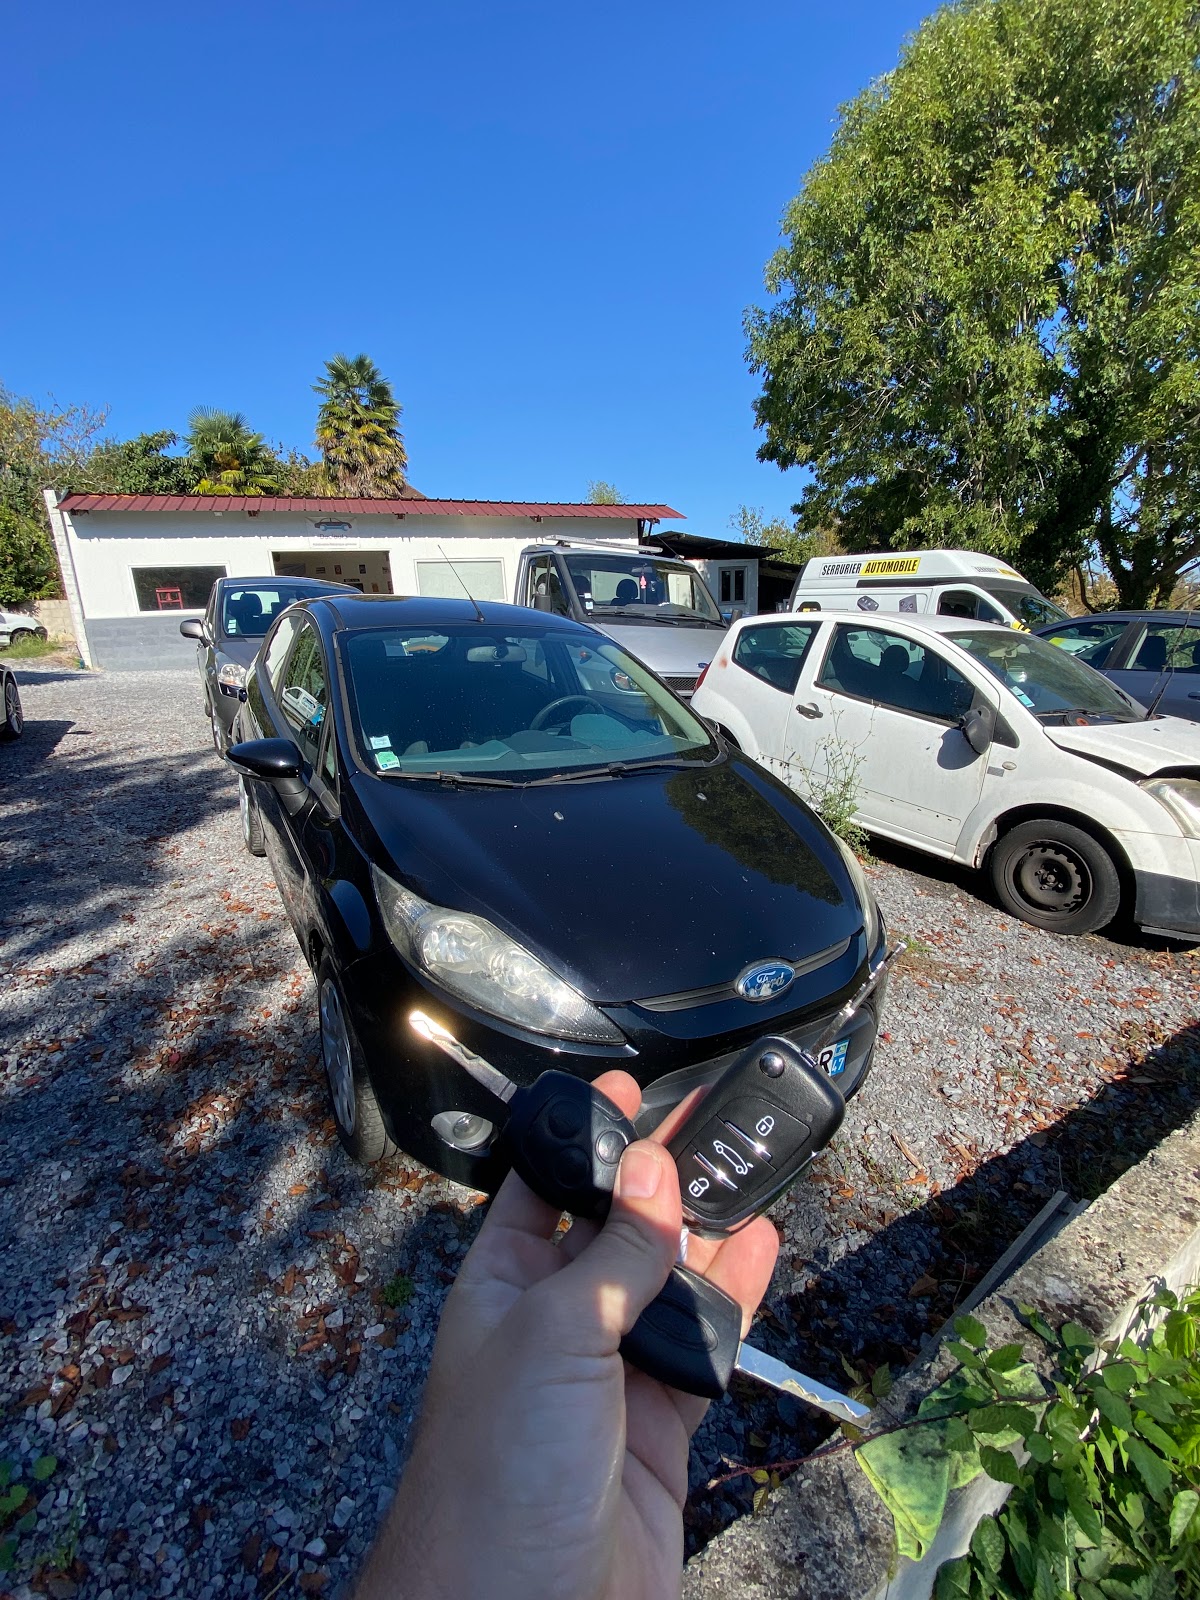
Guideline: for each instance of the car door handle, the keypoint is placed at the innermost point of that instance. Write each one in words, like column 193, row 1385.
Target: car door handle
column 810, row 711
column 1193, row 694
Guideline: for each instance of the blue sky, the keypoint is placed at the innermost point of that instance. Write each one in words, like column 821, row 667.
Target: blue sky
column 544, row 222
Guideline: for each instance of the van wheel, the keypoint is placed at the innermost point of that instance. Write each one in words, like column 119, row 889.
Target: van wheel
column 356, row 1112
column 1056, row 877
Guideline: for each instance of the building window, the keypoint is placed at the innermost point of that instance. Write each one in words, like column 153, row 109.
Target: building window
column 174, row 588
column 733, row 585
column 482, row 580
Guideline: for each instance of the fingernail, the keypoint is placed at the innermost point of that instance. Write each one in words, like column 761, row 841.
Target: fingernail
column 639, row 1174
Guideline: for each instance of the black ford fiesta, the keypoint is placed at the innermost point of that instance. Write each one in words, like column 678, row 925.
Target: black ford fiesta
column 499, row 817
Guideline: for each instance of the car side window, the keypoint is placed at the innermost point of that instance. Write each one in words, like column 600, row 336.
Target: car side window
column 1091, row 639
column 544, row 579
column 303, row 691
column 277, row 649
column 775, row 652
column 871, row 664
column 1165, row 644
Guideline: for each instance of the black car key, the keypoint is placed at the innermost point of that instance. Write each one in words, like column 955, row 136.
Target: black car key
column 752, row 1134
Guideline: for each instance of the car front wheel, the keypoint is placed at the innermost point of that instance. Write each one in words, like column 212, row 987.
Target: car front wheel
column 14, row 720
column 356, row 1112
column 1056, row 877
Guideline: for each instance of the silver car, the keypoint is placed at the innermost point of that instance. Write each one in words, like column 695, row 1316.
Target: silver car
column 235, row 622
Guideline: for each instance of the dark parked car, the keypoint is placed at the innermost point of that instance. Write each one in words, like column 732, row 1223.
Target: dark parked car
column 1152, row 655
column 234, row 624
column 12, row 720
column 500, row 817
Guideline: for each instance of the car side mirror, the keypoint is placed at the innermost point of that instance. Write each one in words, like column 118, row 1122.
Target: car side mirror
column 543, row 602
column 736, row 615
column 192, row 628
column 269, row 759
column 979, row 728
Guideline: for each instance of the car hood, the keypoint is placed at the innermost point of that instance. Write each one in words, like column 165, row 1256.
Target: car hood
column 670, row 649
column 630, row 888
column 243, row 651
column 1141, row 747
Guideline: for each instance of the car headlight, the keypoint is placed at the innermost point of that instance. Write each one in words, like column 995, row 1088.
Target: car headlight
column 472, row 958
column 230, row 675
column 872, row 922
column 1181, row 796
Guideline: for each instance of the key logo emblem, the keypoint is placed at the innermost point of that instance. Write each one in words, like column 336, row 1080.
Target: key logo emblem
column 764, row 1126
column 697, row 1187
column 738, row 1162
column 765, row 980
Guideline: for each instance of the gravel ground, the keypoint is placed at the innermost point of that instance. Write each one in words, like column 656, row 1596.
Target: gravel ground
column 220, row 1327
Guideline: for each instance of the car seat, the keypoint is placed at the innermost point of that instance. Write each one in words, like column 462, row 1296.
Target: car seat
column 244, row 612
column 627, row 593
column 1152, row 657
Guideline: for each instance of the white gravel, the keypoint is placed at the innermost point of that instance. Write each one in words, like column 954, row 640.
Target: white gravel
column 192, row 1273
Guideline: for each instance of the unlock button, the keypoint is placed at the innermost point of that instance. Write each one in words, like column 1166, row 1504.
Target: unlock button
column 761, row 1123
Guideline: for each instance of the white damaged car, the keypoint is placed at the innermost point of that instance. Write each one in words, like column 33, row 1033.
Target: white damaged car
column 981, row 744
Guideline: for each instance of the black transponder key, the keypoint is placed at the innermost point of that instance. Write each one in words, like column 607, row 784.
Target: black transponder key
column 689, row 1336
column 566, row 1141
column 763, row 1120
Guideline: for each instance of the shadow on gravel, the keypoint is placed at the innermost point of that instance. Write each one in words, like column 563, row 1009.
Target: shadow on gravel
column 880, row 1304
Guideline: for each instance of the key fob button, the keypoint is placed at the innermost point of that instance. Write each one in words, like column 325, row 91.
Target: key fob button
column 765, row 1122
column 565, row 1118
column 572, row 1167
column 610, row 1146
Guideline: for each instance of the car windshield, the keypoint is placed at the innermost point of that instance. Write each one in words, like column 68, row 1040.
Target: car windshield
column 1026, row 603
column 1049, row 682
column 248, row 613
column 619, row 583
column 474, row 702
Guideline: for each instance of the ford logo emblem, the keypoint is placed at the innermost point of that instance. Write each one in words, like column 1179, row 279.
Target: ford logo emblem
column 765, row 980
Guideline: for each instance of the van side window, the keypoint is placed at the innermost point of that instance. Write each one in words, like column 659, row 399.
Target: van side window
column 775, row 652
column 961, row 603
column 870, row 664
column 543, row 579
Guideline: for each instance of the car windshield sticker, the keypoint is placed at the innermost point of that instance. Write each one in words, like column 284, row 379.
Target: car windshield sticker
column 380, row 741
column 385, row 759
column 1022, row 696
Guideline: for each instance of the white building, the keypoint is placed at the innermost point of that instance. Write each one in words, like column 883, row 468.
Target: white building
column 134, row 565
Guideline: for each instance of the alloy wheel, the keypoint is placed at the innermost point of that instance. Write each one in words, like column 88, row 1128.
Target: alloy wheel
column 12, row 708
column 335, row 1048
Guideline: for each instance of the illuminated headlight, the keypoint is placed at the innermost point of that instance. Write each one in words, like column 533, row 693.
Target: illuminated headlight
column 1181, row 796
column 231, row 676
column 871, row 920
column 472, row 958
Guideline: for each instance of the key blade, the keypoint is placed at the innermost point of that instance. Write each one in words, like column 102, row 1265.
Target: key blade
column 491, row 1078
column 852, row 1006
column 758, row 1364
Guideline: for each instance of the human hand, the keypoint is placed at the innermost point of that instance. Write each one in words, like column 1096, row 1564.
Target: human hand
column 544, row 1467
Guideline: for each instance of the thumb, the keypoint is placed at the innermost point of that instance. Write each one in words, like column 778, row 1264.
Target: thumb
column 613, row 1281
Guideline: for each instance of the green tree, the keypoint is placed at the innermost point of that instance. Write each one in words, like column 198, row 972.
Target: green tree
column 40, row 446
column 139, row 466
column 786, row 539
column 28, row 569
column 227, row 457
column 986, row 329
column 358, row 430
column 604, row 494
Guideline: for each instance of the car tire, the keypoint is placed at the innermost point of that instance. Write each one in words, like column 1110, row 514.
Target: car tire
column 252, row 828
column 1056, row 877
column 12, row 722
column 356, row 1111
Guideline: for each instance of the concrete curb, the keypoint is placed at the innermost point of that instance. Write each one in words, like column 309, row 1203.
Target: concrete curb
column 826, row 1534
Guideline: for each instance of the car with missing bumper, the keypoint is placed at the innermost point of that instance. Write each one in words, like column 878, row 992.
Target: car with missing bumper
column 500, row 818
column 235, row 622
column 983, row 745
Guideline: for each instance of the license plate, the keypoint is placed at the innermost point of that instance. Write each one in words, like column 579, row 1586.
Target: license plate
column 832, row 1059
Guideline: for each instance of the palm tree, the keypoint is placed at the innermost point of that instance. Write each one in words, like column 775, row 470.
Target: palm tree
column 227, row 456
column 358, row 430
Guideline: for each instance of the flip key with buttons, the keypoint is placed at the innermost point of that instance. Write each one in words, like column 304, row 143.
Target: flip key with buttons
column 760, row 1123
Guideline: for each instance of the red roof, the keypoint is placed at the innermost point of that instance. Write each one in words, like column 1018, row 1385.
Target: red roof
column 359, row 508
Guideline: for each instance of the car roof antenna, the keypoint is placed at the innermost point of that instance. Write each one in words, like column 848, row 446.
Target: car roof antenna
column 478, row 613
column 1168, row 671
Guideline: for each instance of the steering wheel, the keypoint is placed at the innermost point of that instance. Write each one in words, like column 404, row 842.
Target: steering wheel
column 543, row 716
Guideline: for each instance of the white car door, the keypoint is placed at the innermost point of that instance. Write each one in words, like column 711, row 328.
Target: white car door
column 752, row 690
column 888, row 709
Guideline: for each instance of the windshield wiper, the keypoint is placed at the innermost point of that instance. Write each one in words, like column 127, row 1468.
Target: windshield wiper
column 476, row 780
column 617, row 769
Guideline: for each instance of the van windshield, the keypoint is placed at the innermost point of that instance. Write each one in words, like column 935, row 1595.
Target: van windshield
column 1048, row 681
column 640, row 587
column 1026, row 603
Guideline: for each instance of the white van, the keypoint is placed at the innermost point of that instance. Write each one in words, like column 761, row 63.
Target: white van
column 986, row 746
column 947, row 583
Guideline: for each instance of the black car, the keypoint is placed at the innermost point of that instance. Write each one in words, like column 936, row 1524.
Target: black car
column 499, row 817
column 234, row 624
column 1153, row 655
